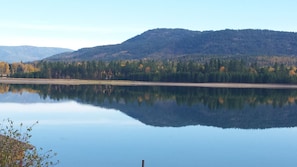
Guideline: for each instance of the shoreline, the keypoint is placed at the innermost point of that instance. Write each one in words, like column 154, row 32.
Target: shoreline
column 39, row 81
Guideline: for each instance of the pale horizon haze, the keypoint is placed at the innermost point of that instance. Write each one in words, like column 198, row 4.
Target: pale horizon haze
column 77, row 24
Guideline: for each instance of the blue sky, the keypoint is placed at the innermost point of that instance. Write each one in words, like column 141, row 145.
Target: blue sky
column 85, row 23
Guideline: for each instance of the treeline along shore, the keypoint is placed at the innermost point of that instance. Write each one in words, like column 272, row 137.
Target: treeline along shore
column 156, row 71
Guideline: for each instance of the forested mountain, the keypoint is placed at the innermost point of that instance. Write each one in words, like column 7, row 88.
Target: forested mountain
column 174, row 43
column 27, row 53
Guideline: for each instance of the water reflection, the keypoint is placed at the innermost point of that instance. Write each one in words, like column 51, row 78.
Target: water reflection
column 178, row 106
column 107, row 126
column 85, row 135
column 63, row 113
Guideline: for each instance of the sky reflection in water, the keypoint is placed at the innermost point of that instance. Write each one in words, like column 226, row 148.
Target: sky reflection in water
column 63, row 113
column 84, row 135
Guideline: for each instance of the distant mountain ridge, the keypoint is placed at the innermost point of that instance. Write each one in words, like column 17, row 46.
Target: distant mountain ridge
column 174, row 43
column 28, row 53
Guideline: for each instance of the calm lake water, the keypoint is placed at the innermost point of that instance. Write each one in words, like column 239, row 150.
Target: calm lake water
column 91, row 126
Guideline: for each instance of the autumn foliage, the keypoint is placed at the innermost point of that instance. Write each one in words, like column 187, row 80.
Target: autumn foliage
column 213, row 70
column 11, row 69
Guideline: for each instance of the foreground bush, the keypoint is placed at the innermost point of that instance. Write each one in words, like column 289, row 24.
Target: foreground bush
column 16, row 150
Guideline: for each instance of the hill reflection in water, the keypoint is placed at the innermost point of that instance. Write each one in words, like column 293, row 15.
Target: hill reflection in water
column 182, row 106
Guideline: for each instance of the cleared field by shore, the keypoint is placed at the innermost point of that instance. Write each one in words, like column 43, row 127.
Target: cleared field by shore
column 140, row 83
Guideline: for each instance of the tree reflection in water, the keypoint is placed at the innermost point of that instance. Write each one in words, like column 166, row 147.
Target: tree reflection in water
column 182, row 106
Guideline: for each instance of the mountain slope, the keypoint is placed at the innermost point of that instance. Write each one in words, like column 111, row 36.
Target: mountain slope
column 173, row 43
column 27, row 53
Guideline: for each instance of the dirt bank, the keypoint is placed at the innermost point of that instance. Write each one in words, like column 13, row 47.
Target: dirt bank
column 140, row 83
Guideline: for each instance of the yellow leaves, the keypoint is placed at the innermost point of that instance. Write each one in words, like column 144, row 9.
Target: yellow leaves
column 139, row 99
column 271, row 69
column 123, row 63
column 253, row 70
column 294, row 68
column 24, row 68
column 30, row 68
column 292, row 72
column 4, row 89
column 145, row 97
column 221, row 100
column 140, row 67
column 4, row 69
column 222, row 69
column 147, row 69
column 291, row 99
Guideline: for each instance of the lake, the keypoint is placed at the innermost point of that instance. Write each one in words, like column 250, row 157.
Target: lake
column 112, row 126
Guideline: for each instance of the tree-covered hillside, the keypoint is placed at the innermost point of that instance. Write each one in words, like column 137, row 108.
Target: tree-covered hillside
column 177, row 43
